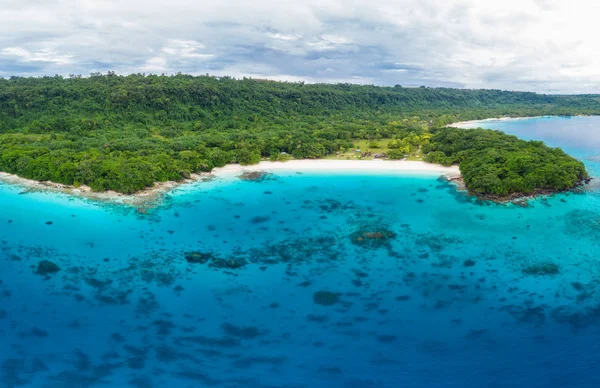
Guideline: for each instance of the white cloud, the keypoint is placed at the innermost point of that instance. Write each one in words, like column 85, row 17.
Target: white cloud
column 283, row 36
column 541, row 45
column 155, row 65
column 185, row 49
column 330, row 42
column 36, row 56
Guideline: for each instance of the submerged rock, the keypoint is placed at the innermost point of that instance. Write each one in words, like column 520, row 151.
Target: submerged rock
column 46, row 267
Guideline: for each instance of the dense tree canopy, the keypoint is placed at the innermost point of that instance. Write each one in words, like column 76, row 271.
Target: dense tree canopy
column 494, row 163
column 126, row 132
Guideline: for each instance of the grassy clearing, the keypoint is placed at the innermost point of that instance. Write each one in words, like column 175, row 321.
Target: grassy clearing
column 379, row 146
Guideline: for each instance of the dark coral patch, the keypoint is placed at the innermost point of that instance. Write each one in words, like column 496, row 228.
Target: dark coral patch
column 228, row 263
column 196, row 257
column 259, row 219
column 245, row 332
column 46, row 267
column 255, row 176
column 386, row 338
column 372, row 238
column 542, row 269
column 325, row 298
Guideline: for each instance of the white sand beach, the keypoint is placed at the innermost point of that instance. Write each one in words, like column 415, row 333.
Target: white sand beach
column 148, row 196
column 471, row 123
column 346, row 166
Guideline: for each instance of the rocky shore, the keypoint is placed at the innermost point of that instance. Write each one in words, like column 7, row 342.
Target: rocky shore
column 519, row 199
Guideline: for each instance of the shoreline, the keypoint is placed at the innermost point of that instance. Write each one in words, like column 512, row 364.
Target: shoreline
column 141, row 198
column 460, row 124
column 145, row 198
column 340, row 166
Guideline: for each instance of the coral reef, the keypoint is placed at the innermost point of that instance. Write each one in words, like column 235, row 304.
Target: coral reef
column 372, row 238
column 46, row 267
column 325, row 298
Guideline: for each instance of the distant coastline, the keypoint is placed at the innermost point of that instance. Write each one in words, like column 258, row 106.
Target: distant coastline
column 145, row 198
column 461, row 124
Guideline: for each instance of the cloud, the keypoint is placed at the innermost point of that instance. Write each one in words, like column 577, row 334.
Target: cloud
column 541, row 45
column 21, row 54
column 155, row 65
column 185, row 49
column 283, row 36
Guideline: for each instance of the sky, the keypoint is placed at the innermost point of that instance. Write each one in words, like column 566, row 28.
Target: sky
column 545, row 46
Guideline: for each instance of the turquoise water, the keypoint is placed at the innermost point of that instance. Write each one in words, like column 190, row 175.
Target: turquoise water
column 308, row 280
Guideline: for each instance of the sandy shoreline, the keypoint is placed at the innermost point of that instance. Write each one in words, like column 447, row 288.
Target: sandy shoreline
column 146, row 197
column 347, row 166
column 470, row 122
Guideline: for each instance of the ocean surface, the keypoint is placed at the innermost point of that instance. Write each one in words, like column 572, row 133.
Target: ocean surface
column 307, row 280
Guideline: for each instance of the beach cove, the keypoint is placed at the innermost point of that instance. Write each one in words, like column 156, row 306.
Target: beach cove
column 153, row 195
column 365, row 277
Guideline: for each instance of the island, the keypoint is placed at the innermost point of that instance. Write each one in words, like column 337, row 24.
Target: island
column 126, row 133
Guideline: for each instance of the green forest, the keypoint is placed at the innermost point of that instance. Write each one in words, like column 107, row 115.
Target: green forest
column 494, row 163
column 124, row 133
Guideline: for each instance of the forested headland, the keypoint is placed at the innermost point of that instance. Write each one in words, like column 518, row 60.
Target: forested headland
column 494, row 164
column 124, row 133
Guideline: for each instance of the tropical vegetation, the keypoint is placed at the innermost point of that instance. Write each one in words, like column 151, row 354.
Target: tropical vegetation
column 493, row 163
column 125, row 133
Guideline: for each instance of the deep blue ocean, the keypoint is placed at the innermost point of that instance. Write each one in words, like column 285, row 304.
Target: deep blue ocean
column 307, row 280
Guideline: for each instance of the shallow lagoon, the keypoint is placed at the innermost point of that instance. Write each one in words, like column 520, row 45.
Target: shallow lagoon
column 316, row 280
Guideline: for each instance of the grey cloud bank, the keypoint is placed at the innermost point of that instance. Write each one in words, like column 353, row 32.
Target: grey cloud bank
column 545, row 46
